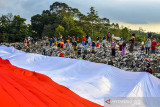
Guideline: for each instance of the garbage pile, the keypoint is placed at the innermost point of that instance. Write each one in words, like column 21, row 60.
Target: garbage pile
column 134, row 62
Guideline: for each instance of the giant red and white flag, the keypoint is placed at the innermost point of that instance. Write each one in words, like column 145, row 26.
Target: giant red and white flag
column 24, row 88
column 91, row 81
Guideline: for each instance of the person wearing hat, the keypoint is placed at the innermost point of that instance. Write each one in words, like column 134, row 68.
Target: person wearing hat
column 97, row 44
column 67, row 44
column 132, row 44
column 148, row 68
column 104, row 40
column 148, row 45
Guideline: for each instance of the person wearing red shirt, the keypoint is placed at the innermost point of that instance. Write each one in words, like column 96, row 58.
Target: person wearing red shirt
column 153, row 47
column 83, row 40
column 25, row 41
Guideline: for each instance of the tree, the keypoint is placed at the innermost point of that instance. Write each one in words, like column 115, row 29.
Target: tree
column 59, row 30
column 48, row 31
column 13, row 28
column 92, row 17
column 77, row 32
column 125, row 34
column 37, row 24
column 67, row 22
column 140, row 38
column 57, row 7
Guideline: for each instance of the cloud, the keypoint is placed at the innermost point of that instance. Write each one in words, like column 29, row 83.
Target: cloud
column 138, row 1
column 154, row 27
column 128, row 11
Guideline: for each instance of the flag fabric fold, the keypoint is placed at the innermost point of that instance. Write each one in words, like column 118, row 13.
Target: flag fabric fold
column 92, row 81
column 24, row 88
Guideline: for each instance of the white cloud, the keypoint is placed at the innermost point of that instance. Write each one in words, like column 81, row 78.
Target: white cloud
column 137, row 12
column 139, row 1
column 151, row 27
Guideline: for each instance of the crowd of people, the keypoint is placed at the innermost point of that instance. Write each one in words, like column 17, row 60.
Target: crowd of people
column 85, row 48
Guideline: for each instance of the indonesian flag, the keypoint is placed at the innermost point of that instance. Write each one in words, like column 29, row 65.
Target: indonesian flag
column 24, row 88
column 29, row 79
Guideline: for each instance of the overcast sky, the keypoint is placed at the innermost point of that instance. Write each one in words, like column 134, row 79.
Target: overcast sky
column 131, row 13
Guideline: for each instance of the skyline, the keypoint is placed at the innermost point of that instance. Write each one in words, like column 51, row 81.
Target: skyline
column 134, row 14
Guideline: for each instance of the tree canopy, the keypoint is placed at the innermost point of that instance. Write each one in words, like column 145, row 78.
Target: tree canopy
column 64, row 19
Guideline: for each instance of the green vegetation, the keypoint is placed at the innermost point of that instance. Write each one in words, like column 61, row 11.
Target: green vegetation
column 65, row 20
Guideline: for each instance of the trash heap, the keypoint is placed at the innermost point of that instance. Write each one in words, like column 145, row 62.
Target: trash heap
column 134, row 62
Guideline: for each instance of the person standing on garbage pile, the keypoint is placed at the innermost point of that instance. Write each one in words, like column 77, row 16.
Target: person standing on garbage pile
column 132, row 44
column 83, row 41
column 67, row 44
column 142, row 47
column 79, row 50
column 112, row 37
column 75, row 47
column 29, row 43
column 28, row 39
column 55, row 41
column 44, row 52
column 47, row 42
column 113, row 47
column 58, row 42
column 93, row 46
column 87, row 38
column 89, row 41
column 109, row 37
column 85, row 48
column 60, row 36
column 78, row 40
column 97, row 44
column 148, row 46
column 25, row 42
column 42, row 42
column 148, row 68
column 120, row 44
column 104, row 40
column 50, row 42
column 73, row 40
column 62, row 44
column 124, row 47
column 153, row 47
